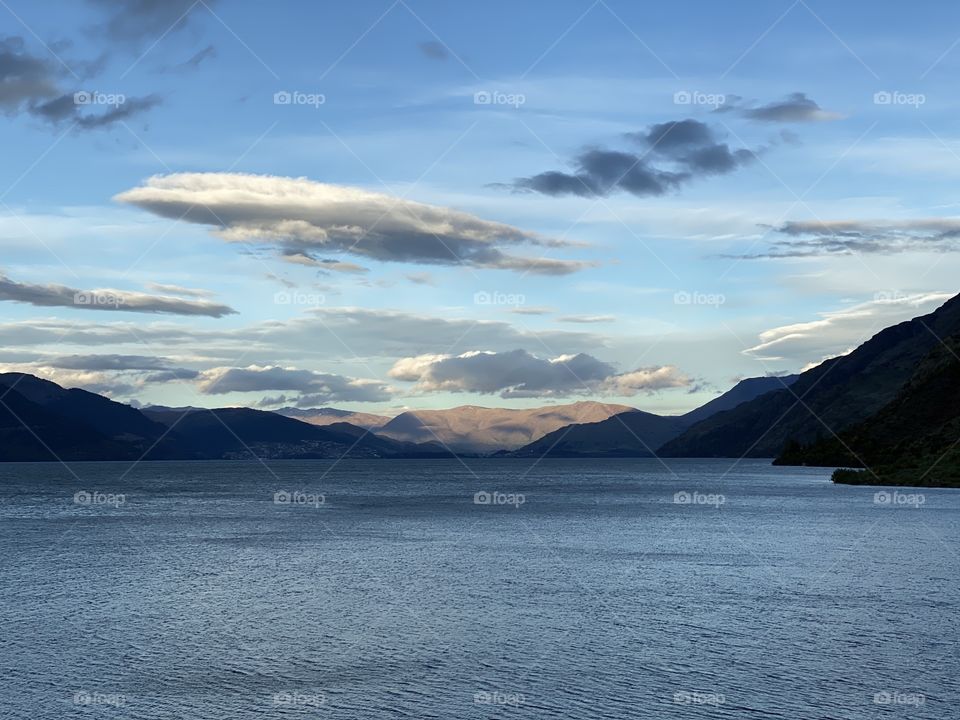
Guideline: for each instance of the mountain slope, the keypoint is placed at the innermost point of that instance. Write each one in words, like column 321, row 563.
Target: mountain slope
column 637, row 433
column 29, row 432
column 470, row 428
column 329, row 416
column 835, row 395
column 742, row 392
column 232, row 433
column 132, row 433
column 911, row 441
column 630, row 434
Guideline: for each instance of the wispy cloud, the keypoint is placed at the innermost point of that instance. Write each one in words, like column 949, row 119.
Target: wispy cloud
column 52, row 295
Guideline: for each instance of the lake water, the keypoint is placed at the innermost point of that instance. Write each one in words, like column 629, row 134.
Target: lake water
column 388, row 589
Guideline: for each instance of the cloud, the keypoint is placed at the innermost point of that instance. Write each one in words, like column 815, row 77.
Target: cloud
column 299, row 257
column 51, row 295
column 587, row 319
column 320, row 387
column 847, row 237
column 519, row 374
column 434, row 50
column 795, row 108
column 179, row 290
column 673, row 154
column 134, row 21
column 323, row 334
column 33, row 85
column 24, row 79
column 113, row 375
column 421, row 278
column 838, row 332
column 298, row 215
column 65, row 109
column 193, row 62
column 532, row 310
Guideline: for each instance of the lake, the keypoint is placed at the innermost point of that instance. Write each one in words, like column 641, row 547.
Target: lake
column 488, row 588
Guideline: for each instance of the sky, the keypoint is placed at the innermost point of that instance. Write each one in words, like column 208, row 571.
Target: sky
column 419, row 204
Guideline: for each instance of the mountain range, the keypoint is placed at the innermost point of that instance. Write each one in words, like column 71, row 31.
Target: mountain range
column 885, row 413
column 42, row 421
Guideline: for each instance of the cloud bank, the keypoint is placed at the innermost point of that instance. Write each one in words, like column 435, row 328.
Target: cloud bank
column 298, row 216
column 314, row 387
column 519, row 374
column 847, row 237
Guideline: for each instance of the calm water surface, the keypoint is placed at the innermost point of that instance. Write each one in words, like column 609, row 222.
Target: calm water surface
column 382, row 589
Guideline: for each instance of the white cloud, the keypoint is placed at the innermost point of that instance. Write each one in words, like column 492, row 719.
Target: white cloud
column 300, row 215
column 838, row 332
column 321, row 387
column 519, row 374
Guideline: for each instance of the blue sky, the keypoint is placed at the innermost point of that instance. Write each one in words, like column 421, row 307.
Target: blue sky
column 795, row 167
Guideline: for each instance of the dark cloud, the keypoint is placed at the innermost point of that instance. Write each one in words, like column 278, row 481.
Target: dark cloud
column 519, row 374
column 108, row 362
column 66, row 109
column 25, row 79
column 795, row 108
column 300, row 216
column 434, row 50
column 846, row 237
column 193, row 62
column 51, row 295
column 317, row 387
column 136, row 21
column 33, row 85
column 674, row 153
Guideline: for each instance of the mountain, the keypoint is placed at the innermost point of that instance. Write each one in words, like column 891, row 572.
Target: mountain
column 232, row 433
column 912, row 440
column 640, row 434
column 329, row 416
column 29, row 432
column 737, row 395
column 629, row 434
column 836, row 395
column 41, row 421
column 474, row 429
column 112, row 429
